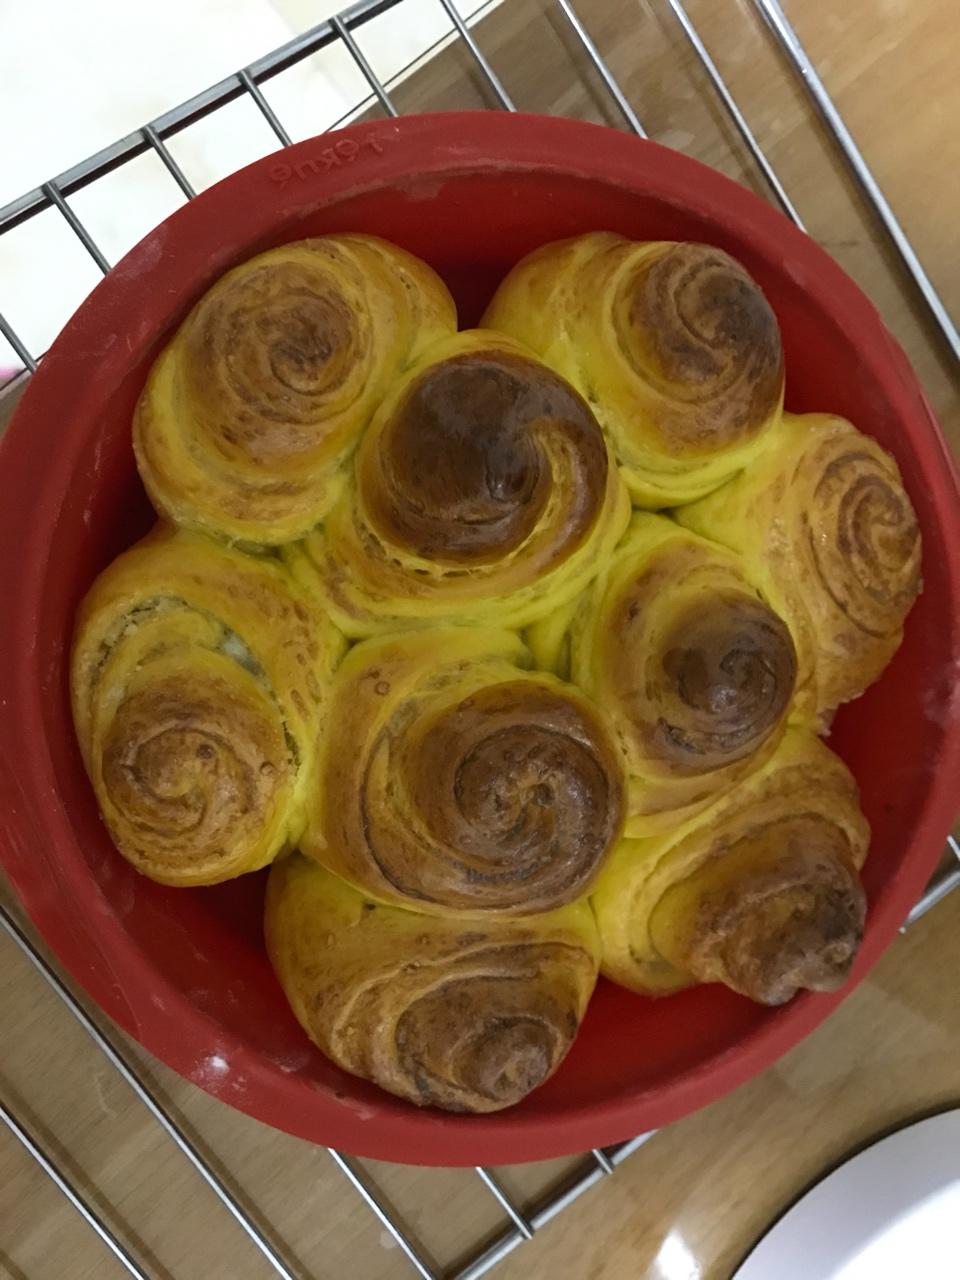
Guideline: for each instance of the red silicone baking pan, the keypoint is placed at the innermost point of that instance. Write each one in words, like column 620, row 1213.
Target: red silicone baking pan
column 184, row 971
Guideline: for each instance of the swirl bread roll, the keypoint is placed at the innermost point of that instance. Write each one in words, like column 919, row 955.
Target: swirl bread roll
column 453, row 780
column 694, row 669
column 484, row 494
column 826, row 530
column 250, row 415
column 443, row 1015
column 759, row 892
column 674, row 346
column 199, row 682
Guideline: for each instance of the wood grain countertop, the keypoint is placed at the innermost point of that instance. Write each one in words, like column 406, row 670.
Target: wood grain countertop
column 692, row 1201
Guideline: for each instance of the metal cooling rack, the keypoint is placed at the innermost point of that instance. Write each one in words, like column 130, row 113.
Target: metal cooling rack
column 55, row 194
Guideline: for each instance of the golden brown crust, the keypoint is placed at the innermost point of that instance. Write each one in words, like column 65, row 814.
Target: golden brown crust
column 484, row 494
column 703, row 680
column 693, row 667
column 695, row 326
column 730, row 669
column 824, row 526
column 673, row 344
column 251, row 413
column 190, row 771
column 199, row 679
column 780, row 911
column 454, row 781
column 460, row 473
column 760, row 891
column 864, row 540
column 444, row 1015
column 263, row 352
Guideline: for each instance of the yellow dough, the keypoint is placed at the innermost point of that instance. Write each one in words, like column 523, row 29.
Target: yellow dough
column 251, row 414
column 454, row 780
column 467, row 1019
column 760, row 891
column 199, row 682
column 570, row 737
column 673, row 344
column 695, row 670
column 484, row 494
column 827, row 532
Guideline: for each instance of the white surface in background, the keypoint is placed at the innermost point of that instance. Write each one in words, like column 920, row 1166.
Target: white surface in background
column 890, row 1212
column 75, row 76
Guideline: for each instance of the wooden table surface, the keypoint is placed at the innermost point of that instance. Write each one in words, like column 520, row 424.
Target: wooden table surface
column 691, row 1202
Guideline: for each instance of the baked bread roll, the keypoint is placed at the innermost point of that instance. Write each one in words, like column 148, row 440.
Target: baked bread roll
column 827, row 532
column 674, row 346
column 484, row 494
column 441, row 1015
column 454, row 780
column 694, row 669
column 759, row 892
column 199, row 682
column 250, row 415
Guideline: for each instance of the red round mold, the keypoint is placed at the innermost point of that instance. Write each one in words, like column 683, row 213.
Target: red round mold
column 185, row 972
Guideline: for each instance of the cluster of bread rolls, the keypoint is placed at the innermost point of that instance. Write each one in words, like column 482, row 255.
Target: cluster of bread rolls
column 410, row 629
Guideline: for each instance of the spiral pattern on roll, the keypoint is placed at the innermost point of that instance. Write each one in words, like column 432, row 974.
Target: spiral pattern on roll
column 693, row 667
column 251, row 414
column 483, row 493
column 264, row 357
column 863, row 537
column 702, row 680
column 826, row 529
column 454, row 781
column 509, row 1034
column 783, row 911
column 199, row 680
column 731, row 669
column 674, row 345
column 694, row 325
column 760, row 891
column 463, row 1019
column 193, row 764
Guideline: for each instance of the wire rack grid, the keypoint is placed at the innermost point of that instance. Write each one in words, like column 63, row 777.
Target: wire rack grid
column 519, row 1223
